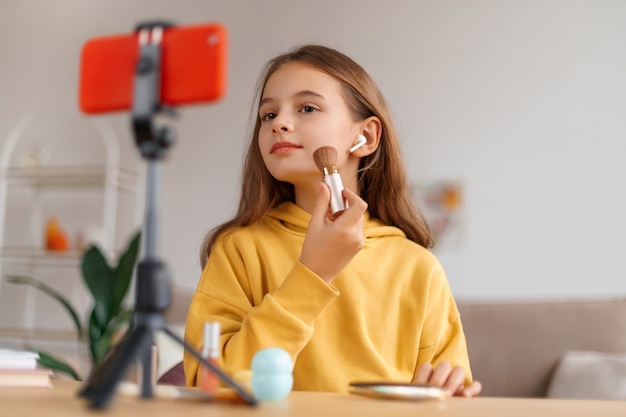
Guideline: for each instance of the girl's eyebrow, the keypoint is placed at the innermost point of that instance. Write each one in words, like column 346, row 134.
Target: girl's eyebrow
column 299, row 94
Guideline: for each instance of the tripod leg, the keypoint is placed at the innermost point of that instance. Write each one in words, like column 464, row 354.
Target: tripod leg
column 147, row 368
column 249, row 398
column 105, row 377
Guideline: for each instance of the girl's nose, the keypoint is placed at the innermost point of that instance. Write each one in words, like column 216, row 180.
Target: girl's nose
column 281, row 124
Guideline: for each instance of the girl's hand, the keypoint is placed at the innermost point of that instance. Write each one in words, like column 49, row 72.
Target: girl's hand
column 451, row 380
column 330, row 244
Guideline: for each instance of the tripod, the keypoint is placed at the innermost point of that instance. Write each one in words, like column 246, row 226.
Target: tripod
column 152, row 284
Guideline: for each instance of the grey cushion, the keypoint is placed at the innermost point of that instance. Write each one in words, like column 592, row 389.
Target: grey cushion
column 589, row 375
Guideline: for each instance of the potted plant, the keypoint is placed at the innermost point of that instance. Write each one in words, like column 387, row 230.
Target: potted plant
column 108, row 285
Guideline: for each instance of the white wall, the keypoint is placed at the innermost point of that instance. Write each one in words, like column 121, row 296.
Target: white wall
column 523, row 101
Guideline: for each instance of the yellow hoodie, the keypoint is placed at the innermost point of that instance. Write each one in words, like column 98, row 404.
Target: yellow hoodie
column 387, row 312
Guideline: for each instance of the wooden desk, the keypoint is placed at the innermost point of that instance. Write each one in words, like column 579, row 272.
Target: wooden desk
column 61, row 401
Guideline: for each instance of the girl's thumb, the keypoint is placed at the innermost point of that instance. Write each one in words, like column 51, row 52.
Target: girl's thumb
column 320, row 210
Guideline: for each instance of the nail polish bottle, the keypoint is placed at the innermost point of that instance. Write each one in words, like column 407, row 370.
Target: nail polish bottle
column 209, row 381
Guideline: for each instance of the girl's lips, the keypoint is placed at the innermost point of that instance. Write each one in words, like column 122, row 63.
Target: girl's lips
column 283, row 147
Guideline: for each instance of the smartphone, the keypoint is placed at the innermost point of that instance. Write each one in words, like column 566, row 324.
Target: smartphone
column 397, row 391
column 193, row 68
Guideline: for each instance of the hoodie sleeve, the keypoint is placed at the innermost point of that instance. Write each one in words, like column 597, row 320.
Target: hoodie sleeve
column 284, row 318
column 443, row 338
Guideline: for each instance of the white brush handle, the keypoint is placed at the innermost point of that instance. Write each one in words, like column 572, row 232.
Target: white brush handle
column 334, row 183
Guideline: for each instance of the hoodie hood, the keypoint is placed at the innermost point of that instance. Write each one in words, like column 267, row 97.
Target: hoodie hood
column 297, row 220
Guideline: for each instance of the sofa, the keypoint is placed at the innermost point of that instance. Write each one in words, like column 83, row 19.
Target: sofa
column 542, row 348
column 547, row 348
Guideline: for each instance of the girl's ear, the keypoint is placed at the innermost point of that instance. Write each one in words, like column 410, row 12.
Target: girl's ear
column 369, row 138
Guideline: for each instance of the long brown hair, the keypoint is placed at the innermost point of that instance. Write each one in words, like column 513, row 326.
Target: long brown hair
column 382, row 178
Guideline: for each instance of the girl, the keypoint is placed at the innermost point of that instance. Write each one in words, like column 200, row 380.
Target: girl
column 353, row 297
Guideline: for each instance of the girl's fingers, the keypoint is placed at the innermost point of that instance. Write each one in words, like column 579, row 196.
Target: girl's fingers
column 454, row 384
column 444, row 376
column 440, row 374
column 423, row 374
column 353, row 214
column 472, row 389
column 356, row 203
column 320, row 210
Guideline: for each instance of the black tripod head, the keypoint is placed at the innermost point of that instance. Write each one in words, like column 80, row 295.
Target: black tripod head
column 152, row 141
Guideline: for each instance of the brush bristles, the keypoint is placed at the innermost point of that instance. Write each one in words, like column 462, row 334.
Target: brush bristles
column 325, row 157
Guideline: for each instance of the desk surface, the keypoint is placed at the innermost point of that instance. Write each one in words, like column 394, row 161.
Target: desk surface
column 62, row 401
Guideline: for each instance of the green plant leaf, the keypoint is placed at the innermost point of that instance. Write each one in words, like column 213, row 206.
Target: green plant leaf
column 124, row 273
column 97, row 273
column 125, row 317
column 48, row 361
column 15, row 279
column 95, row 331
column 100, row 346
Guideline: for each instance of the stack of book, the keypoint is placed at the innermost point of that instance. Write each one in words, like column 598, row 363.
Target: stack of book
column 19, row 369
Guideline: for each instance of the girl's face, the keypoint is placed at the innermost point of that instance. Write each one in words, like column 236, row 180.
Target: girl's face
column 302, row 109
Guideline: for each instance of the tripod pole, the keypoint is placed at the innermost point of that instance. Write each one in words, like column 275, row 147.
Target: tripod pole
column 151, row 217
column 160, row 296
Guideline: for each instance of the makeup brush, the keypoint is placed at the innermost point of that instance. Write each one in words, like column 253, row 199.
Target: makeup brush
column 325, row 158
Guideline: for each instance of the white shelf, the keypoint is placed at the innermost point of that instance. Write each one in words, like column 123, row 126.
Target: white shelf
column 79, row 161
column 39, row 256
column 38, row 334
column 44, row 257
column 71, row 176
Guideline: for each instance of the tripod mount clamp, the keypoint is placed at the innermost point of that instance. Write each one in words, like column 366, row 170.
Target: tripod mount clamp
column 151, row 140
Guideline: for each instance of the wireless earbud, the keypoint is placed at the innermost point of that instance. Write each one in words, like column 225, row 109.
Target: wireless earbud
column 360, row 142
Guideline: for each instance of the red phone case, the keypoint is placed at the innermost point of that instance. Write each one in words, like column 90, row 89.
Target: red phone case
column 194, row 68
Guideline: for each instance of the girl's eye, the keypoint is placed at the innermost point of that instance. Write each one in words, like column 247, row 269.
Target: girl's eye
column 308, row 108
column 268, row 116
